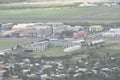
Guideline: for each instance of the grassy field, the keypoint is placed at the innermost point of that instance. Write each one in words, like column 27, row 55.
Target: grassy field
column 109, row 15
column 54, row 52
column 58, row 14
column 8, row 42
column 20, row 6
column 51, row 52
column 50, row 12
column 99, row 51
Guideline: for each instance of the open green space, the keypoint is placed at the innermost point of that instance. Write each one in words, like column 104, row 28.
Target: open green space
column 103, row 52
column 51, row 52
column 8, row 42
column 100, row 51
column 17, row 1
column 33, row 6
column 109, row 15
column 54, row 52
column 50, row 12
column 56, row 14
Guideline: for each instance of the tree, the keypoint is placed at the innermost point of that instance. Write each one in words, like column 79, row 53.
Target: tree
column 67, row 33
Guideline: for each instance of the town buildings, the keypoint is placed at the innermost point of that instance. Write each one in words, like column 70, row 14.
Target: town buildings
column 113, row 32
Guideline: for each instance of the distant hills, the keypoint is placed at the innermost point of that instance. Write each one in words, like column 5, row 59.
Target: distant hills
column 17, row 1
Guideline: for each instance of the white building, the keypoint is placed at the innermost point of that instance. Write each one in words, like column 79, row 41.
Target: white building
column 96, row 28
column 22, row 26
column 85, row 4
column 74, row 28
column 113, row 32
column 73, row 48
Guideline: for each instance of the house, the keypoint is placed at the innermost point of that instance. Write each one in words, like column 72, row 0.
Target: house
column 105, row 69
column 79, row 34
column 107, row 4
column 60, row 66
column 36, row 47
column 74, row 28
column 77, row 74
column 96, row 42
column 6, row 27
column 47, row 66
column 80, row 42
column 73, row 48
column 81, row 70
column 44, row 77
column 26, row 70
column 95, row 28
column 85, row 4
column 19, row 27
column 7, row 33
column 113, row 32
column 36, row 31
column 2, row 53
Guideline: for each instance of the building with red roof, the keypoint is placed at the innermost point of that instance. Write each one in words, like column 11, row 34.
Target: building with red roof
column 79, row 34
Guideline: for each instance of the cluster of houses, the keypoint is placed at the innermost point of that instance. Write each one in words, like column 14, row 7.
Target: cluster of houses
column 41, row 46
column 45, row 29
column 33, row 68
column 54, row 30
column 34, row 29
column 113, row 32
column 50, row 33
column 26, row 68
column 107, row 4
column 66, row 45
column 89, row 2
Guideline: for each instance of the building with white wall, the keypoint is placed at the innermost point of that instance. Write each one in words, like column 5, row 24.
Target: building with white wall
column 95, row 28
column 113, row 32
